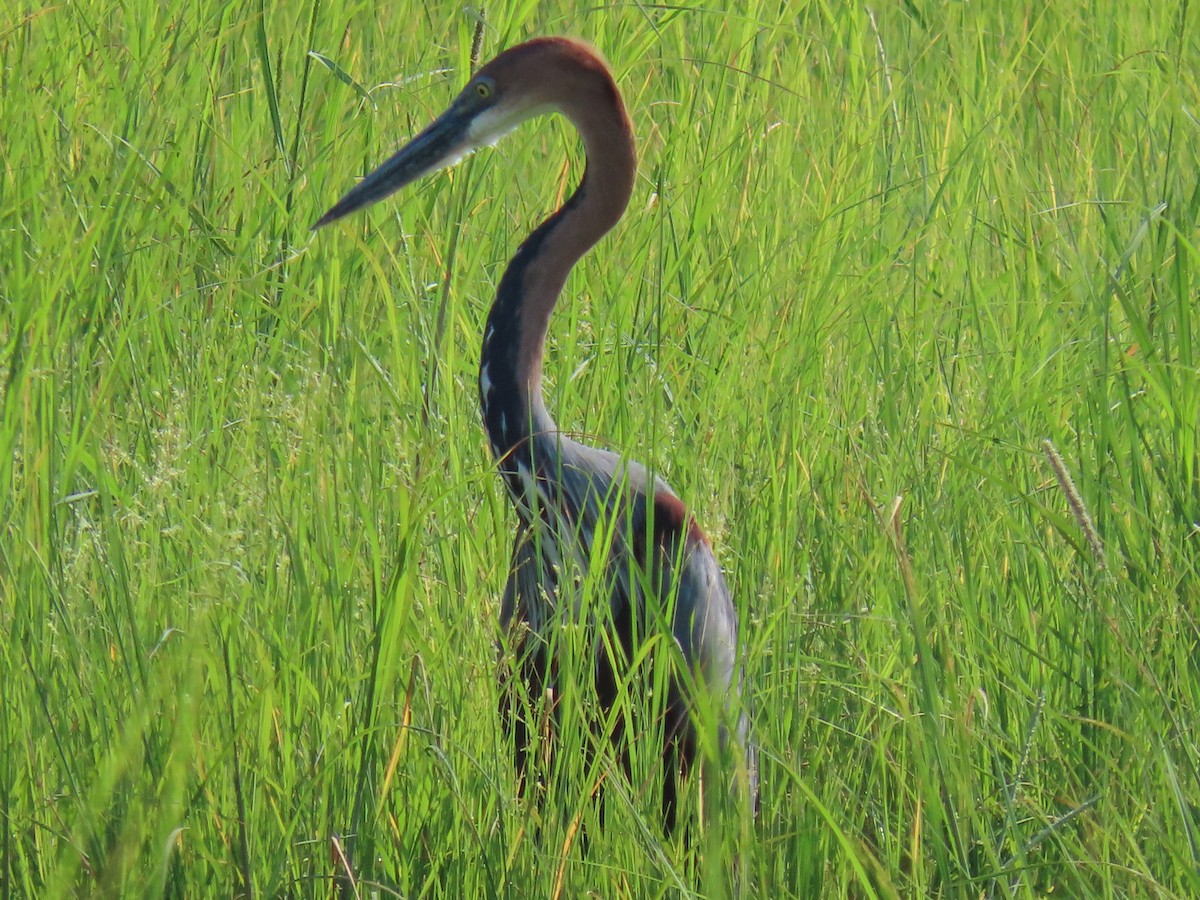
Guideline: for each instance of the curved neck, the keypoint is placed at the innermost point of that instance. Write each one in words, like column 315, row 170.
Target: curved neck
column 510, row 366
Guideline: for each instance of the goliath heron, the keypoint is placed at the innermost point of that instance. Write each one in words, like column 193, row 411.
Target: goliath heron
column 658, row 570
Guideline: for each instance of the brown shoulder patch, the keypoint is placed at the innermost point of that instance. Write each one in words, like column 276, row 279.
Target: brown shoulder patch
column 671, row 518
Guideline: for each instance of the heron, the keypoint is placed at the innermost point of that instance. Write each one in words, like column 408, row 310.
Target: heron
column 659, row 571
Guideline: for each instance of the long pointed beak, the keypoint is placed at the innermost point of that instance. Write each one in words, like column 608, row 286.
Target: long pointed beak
column 441, row 144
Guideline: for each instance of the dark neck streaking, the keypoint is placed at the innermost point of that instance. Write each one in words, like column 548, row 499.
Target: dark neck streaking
column 510, row 365
column 510, row 395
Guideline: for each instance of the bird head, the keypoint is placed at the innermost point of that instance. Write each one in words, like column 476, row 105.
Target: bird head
column 534, row 77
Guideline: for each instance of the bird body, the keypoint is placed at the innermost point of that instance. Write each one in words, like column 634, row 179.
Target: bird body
column 583, row 513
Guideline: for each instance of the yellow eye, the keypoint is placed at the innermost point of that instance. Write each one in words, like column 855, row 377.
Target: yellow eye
column 483, row 89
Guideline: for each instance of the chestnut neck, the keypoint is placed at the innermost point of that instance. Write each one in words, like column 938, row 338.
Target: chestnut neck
column 510, row 369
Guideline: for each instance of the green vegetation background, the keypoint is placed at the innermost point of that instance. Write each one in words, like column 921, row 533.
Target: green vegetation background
column 877, row 255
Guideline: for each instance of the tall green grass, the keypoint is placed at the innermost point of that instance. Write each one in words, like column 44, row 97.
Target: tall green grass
column 886, row 270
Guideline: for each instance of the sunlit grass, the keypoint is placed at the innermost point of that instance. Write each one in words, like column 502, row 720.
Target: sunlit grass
column 879, row 263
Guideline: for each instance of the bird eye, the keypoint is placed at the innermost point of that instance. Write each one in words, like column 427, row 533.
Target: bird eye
column 483, row 89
